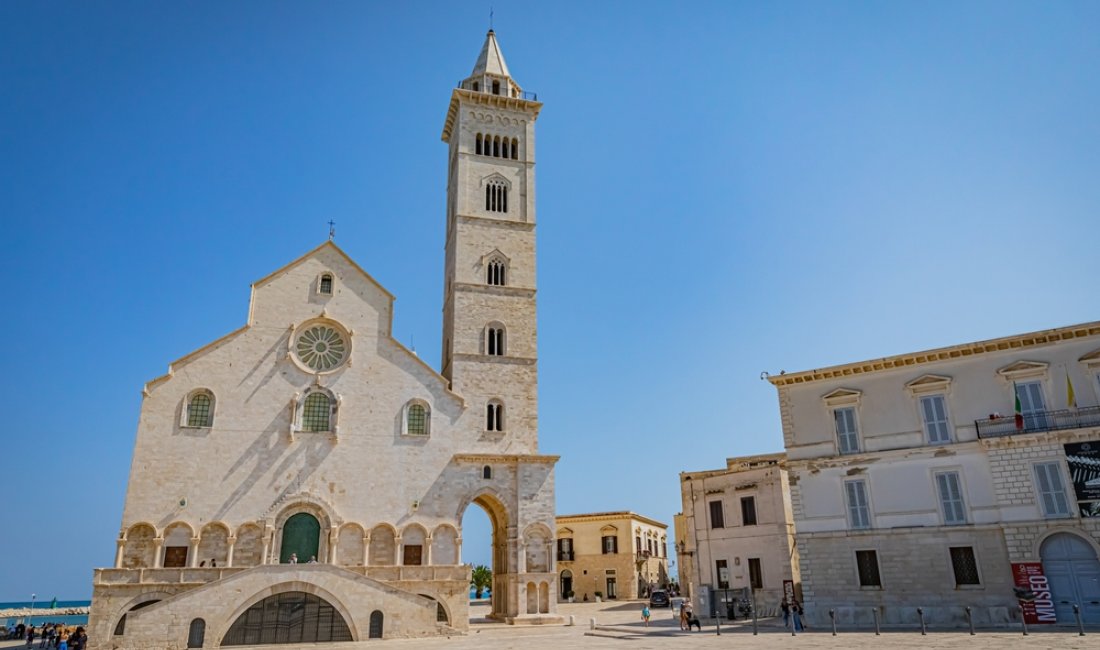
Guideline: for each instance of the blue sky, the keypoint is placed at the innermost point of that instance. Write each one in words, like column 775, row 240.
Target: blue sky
column 723, row 188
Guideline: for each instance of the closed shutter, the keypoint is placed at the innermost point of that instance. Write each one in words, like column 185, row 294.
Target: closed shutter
column 934, row 410
column 1052, row 491
column 858, row 511
column 954, row 511
column 847, row 438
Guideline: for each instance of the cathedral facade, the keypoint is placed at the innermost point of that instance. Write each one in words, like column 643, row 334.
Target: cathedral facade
column 304, row 478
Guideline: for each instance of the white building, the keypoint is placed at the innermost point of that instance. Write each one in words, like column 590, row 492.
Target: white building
column 738, row 534
column 311, row 435
column 913, row 485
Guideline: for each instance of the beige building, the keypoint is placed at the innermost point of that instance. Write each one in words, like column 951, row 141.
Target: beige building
column 737, row 535
column 611, row 555
column 943, row 479
column 304, row 478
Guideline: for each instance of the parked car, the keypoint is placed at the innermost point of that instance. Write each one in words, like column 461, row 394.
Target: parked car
column 659, row 598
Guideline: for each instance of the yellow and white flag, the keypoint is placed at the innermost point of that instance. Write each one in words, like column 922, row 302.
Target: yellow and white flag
column 1071, row 399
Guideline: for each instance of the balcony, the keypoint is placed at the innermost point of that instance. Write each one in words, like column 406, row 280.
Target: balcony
column 523, row 94
column 565, row 556
column 1039, row 421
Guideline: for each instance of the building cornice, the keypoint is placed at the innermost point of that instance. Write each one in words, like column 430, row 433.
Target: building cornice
column 507, row 223
column 518, row 292
column 1017, row 342
column 492, row 358
column 458, row 95
column 505, row 458
column 609, row 516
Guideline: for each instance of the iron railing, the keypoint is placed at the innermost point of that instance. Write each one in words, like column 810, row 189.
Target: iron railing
column 565, row 556
column 1038, row 421
column 523, row 94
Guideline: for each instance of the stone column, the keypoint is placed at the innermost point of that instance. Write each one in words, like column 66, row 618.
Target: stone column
column 397, row 548
column 266, row 548
column 332, row 538
column 366, row 549
column 458, row 550
column 119, row 550
column 158, row 560
column 428, row 550
column 193, row 553
column 231, row 542
column 521, row 556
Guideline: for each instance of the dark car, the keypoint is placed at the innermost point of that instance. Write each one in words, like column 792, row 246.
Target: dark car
column 659, row 598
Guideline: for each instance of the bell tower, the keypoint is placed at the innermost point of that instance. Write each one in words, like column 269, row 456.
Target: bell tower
column 490, row 351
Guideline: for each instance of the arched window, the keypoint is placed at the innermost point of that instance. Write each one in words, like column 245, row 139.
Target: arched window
column 486, row 472
column 515, row 149
column 494, row 273
column 496, row 196
column 200, row 409
column 325, row 286
column 477, row 86
column 494, row 416
column 196, row 634
column 504, row 148
column 496, row 87
column 494, row 340
column 477, row 148
column 496, row 146
column 317, row 413
column 293, row 617
column 417, row 419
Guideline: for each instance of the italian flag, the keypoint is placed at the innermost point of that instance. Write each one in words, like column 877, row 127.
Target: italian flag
column 1019, row 409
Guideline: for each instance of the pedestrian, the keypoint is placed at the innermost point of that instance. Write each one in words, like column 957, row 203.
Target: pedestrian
column 30, row 636
column 64, row 643
column 312, row 559
column 293, row 558
column 796, row 613
column 785, row 607
column 645, row 614
column 683, row 615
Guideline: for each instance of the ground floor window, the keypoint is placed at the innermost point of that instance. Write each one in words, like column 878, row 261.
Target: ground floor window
column 867, row 565
column 289, row 617
column 964, row 565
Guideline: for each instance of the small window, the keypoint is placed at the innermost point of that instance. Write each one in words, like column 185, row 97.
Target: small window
column 496, row 197
column 723, row 574
column 748, row 511
column 326, row 284
column 496, row 87
column 494, row 416
column 951, row 498
column 867, row 565
column 494, row 343
column 196, row 633
column 965, row 565
column 1052, row 490
column 933, row 410
column 477, row 87
column 477, row 144
column 416, row 420
column 316, row 412
column 756, row 577
column 638, row 544
column 496, row 146
column 515, row 149
column 859, row 510
column 486, row 472
column 610, row 544
column 716, row 519
column 494, row 273
column 846, row 434
column 200, row 411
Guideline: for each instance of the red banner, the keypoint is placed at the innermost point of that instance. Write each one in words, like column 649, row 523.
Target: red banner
column 1029, row 577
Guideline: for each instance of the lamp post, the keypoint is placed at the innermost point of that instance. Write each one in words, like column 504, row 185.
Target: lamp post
column 31, row 615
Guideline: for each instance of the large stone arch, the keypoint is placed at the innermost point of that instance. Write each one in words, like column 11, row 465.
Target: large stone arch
column 140, row 546
column 505, row 591
column 291, row 585
column 145, row 599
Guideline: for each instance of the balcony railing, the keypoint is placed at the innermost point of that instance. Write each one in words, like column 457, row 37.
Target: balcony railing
column 1038, row 421
column 565, row 556
column 523, row 94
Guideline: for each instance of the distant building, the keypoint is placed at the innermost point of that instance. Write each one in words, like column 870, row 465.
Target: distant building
column 618, row 554
column 737, row 535
column 943, row 479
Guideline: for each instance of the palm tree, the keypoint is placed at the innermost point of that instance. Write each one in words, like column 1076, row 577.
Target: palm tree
column 481, row 579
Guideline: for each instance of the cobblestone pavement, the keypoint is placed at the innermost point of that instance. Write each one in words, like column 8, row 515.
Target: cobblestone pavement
column 619, row 625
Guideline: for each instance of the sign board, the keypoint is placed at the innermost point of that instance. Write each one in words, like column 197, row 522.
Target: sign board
column 788, row 590
column 1029, row 577
column 1083, row 459
column 723, row 576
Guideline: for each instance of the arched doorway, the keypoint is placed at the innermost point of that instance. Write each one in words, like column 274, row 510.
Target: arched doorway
column 566, row 589
column 289, row 617
column 1071, row 566
column 497, row 515
column 301, row 537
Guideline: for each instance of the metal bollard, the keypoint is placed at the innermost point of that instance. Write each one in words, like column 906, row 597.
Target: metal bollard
column 832, row 616
column 1023, row 621
column 1077, row 613
column 970, row 620
column 874, row 613
column 920, row 613
column 754, row 620
column 793, row 615
column 717, row 623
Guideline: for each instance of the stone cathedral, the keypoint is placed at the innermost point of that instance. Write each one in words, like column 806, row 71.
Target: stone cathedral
column 304, row 478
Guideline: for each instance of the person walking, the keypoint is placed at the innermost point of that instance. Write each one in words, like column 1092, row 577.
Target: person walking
column 785, row 607
column 645, row 614
column 796, row 614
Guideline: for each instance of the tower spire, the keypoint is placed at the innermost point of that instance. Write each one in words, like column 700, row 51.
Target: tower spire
column 491, row 59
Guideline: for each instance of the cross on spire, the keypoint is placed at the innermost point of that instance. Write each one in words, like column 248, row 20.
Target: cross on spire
column 331, row 230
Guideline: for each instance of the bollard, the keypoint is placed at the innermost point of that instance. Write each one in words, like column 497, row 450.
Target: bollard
column 874, row 613
column 832, row 616
column 1023, row 621
column 591, row 623
column 572, row 620
column 717, row 623
column 1077, row 613
column 920, row 613
column 970, row 620
column 754, row 620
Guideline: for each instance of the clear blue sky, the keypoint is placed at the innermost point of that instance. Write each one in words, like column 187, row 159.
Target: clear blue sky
column 723, row 188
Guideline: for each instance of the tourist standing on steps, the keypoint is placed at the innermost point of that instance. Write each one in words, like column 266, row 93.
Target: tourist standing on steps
column 293, row 559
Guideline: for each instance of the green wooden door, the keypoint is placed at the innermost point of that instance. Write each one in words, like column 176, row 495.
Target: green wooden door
column 301, row 536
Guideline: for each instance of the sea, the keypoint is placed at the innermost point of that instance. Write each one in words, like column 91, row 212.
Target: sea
column 45, row 617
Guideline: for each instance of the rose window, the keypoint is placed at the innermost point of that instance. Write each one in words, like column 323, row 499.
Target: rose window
column 322, row 347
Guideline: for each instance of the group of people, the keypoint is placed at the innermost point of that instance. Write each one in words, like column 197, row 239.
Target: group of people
column 688, row 619
column 293, row 559
column 792, row 614
column 50, row 635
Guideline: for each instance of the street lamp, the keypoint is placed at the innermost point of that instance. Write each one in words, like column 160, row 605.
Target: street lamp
column 31, row 615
